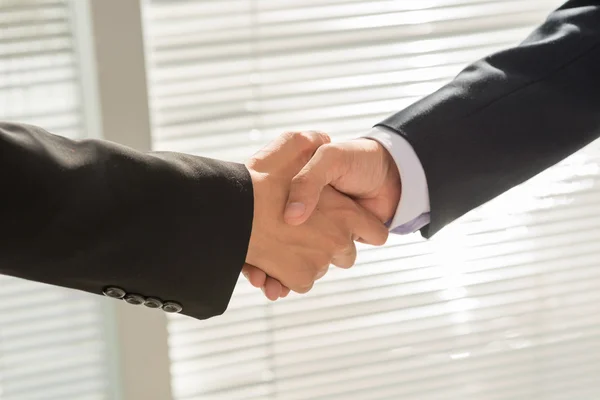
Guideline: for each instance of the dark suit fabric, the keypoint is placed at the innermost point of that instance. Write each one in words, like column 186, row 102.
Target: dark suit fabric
column 509, row 116
column 91, row 214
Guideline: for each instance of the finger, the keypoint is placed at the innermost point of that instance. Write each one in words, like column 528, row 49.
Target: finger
column 325, row 166
column 260, row 279
column 346, row 258
column 322, row 273
column 300, row 144
column 367, row 227
column 272, row 288
column 360, row 240
column 303, row 289
column 255, row 276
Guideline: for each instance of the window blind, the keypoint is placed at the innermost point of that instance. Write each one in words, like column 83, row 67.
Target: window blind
column 503, row 304
column 51, row 339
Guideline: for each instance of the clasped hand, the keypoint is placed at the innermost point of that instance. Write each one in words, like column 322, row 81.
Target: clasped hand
column 312, row 201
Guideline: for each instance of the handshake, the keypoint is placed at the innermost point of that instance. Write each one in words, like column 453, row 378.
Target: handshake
column 312, row 200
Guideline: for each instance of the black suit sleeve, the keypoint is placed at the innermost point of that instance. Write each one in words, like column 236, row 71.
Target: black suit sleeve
column 509, row 116
column 89, row 214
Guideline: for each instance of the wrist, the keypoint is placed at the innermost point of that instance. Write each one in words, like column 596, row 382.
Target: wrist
column 391, row 188
column 393, row 182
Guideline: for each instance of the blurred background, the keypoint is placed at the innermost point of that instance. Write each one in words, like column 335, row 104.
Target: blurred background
column 503, row 304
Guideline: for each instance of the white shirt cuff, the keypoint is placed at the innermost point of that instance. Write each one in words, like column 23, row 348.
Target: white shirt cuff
column 412, row 212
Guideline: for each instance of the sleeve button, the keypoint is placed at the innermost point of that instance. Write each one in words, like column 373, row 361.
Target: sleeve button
column 153, row 302
column 134, row 299
column 114, row 292
column 172, row 307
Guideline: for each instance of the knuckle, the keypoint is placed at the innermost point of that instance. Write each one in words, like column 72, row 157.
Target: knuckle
column 255, row 159
column 341, row 263
column 304, row 141
column 384, row 237
column 316, row 137
column 380, row 236
column 322, row 137
column 289, row 135
column 339, row 244
column 342, row 246
column 348, row 260
column 302, row 179
column 308, row 142
column 304, row 288
column 351, row 260
column 331, row 150
column 307, row 278
column 377, row 237
column 320, row 271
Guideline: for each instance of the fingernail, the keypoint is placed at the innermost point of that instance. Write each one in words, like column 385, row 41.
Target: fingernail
column 246, row 274
column 295, row 210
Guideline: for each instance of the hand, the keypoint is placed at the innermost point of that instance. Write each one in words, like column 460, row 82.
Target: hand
column 296, row 256
column 363, row 169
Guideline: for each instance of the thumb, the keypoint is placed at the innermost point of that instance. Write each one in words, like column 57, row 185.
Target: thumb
column 306, row 186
